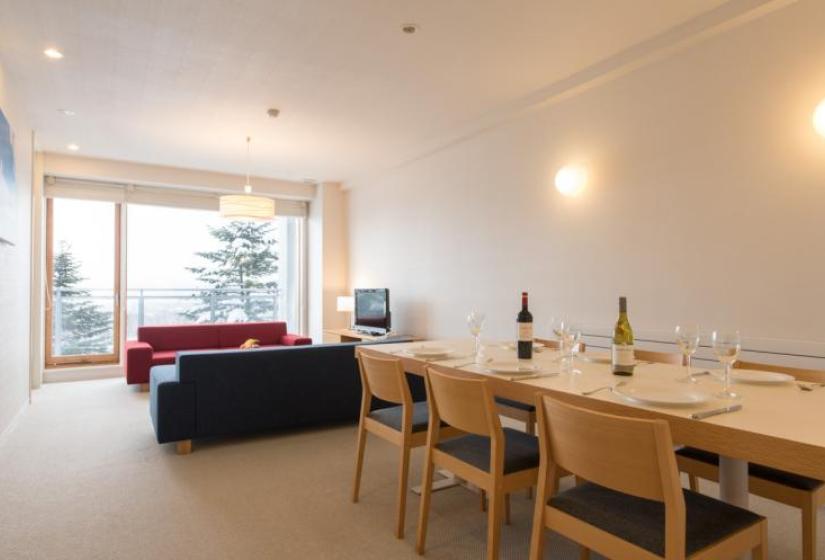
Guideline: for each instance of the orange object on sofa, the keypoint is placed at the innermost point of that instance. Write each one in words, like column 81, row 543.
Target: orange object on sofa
column 159, row 345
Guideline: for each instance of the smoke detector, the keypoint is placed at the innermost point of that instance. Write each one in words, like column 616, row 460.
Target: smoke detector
column 409, row 28
column 273, row 113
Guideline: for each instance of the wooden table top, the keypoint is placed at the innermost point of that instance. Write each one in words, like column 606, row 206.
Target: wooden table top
column 779, row 425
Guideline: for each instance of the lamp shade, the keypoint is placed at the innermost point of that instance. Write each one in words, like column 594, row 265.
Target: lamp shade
column 247, row 207
column 346, row 303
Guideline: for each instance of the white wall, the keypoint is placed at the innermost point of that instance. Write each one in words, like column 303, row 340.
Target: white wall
column 15, row 265
column 706, row 202
column 327, row 266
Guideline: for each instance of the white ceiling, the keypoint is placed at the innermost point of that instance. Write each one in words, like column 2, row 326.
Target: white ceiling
column 182, row 82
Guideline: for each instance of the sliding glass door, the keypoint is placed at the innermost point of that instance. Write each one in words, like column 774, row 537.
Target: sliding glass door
column 83, row 282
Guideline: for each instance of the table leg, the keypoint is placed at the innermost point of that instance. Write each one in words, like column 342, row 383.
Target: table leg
column 449, row 481
column 733, row 484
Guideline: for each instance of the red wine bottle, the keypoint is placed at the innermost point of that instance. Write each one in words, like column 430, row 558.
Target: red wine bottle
column 525, row 330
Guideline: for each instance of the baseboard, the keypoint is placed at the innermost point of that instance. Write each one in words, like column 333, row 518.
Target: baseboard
column 84, row 373
column 15, row 419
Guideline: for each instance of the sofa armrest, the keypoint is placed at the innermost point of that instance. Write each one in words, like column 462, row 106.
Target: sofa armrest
column 171, row 405
column 295, row 340
column 138, row 361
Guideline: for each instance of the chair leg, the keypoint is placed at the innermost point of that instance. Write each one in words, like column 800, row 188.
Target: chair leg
column 809, row 518
column 584, row 553
column 483, row 500
column 531, row 429
column 359, row 462
column 426, row 493
column 760, row 552
column 507, row 509
column 494, row 519
column 403, row 471
column 694, row 482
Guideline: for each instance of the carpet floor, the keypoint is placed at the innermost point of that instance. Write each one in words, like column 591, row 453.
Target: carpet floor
column 81, row 477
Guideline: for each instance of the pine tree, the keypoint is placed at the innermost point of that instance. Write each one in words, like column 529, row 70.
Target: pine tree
column 83, row 327
column 245, row 262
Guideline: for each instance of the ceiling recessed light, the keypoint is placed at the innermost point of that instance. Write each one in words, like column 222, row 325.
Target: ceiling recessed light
column 67, row 112
column 72, row 147
column 53, row 53
column 409, row 28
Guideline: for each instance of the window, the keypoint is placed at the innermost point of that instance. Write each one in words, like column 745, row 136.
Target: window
column 192, row 266
column 83, row 278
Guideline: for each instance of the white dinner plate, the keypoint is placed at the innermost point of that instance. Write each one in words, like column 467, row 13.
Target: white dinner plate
column 661, row 396
column 512, row 367
column 759, row 377
column 427, row 351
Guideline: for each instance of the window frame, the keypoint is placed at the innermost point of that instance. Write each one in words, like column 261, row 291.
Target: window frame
column 51, row 361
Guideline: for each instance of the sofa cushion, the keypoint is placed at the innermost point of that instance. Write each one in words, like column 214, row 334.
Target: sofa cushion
column 180, row 337
column 232, row 335
column 164, row 357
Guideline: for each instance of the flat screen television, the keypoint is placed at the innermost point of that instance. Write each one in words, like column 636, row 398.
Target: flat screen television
column 372, row 310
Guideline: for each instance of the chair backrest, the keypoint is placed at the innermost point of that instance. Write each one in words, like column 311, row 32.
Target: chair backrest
column 554, row 344
column 674, row 358
column 629, row 455
column 814, row 375
column 384, row 378
column 463, row 403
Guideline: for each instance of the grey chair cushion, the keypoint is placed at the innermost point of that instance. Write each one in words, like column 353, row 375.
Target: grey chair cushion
column 516, row 404
column 392, row 416
column 642, row 522
column 521, row 451
column 785, row 478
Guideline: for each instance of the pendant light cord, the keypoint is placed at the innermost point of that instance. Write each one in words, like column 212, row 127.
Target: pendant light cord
column 248, row 140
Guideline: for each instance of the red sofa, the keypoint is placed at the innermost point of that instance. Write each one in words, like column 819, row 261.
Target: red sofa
column 160, row 345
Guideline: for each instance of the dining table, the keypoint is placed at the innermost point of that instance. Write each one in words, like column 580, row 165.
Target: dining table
column 778, row 424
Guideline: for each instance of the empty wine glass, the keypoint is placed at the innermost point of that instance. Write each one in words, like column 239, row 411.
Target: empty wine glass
column 475, row 322
column 726, row 345
column 687, row 338
column 569, row 337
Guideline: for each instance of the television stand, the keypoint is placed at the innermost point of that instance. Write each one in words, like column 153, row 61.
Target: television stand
column 350, row 335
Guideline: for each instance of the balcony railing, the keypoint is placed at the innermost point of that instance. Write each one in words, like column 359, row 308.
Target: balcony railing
column 152, row 306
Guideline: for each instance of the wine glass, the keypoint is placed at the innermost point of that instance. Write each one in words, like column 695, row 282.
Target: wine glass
column 569, row 337
column 726, row 345
column 687, row 338
column 475, row 322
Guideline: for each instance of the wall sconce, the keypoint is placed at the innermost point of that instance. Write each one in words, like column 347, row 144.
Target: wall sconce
column 819, row 118
column 571, row 180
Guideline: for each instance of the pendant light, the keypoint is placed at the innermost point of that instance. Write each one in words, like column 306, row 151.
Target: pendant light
column 247, row 206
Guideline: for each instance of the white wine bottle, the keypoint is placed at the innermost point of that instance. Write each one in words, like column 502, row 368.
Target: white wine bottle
column 525, row 330
column 623, row 358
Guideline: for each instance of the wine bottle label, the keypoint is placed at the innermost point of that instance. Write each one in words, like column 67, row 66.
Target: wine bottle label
column 525, row 331
column 623, row 355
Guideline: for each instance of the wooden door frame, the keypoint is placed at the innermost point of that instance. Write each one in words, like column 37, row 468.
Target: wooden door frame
column 80, row 360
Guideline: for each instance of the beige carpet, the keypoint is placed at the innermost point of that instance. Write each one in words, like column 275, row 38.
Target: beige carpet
column 81, row 477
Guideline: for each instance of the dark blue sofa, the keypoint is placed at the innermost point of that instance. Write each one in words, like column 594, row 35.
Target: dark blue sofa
column 233, row 392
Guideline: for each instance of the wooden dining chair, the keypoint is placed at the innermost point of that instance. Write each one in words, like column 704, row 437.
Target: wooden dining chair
column 404, row 425
column 526, row 412
column 632, row 505
column 807, row 494
column 674, row 358
column 497, row 460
